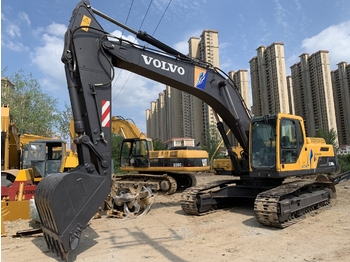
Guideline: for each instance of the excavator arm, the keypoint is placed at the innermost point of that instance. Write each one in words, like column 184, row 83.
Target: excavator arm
column 125, row 128
column 67, row 201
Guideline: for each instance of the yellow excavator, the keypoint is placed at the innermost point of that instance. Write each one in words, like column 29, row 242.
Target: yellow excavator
column 275, row 147
column 25, row 160
column 163, row 170
column 157, row 170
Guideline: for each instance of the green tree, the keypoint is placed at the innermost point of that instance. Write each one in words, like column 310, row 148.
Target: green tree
column 213, row 139
column 329, row 136
column 344, row 162
column 33, row 111
column 158, row 145
column 116, row 146
column 62, row 123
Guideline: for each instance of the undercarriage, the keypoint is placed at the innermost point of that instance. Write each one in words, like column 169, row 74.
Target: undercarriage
column 276, row 204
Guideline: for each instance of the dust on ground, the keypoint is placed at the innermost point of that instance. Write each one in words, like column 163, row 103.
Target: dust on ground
column 166, row 233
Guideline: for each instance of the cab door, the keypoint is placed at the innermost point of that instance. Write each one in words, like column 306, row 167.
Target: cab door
column 291, row 144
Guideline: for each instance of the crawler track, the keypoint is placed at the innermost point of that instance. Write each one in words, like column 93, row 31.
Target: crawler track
column 287, row 204
column 278, row 207
column 189, row 198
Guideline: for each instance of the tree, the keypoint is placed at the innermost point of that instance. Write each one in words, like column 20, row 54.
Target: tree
column 344, row 162
column 329, row 136
column 62, row 123
column 33, row 111
column 158, row 145
column 213, row 139
column 116, row 146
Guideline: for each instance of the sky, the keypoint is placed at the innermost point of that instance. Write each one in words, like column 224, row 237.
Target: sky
column 32, row 37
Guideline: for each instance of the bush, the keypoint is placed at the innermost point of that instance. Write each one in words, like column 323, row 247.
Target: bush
column 344, row 161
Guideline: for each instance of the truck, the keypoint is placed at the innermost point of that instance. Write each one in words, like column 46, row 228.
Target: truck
column 275, row 146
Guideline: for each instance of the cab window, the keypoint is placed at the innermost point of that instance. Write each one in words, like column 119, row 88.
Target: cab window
column 288, row 141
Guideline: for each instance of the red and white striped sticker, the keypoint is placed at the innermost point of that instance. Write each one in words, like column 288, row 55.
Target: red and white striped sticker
column 106, row 113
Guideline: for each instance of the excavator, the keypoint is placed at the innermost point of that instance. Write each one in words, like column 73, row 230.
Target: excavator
column 275, row 146
column 25, row 160
column 163, row 170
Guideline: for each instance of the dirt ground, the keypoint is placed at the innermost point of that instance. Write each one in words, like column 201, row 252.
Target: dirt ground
column 166, row 233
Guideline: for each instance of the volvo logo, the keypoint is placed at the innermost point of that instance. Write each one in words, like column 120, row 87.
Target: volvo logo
column 163, row 65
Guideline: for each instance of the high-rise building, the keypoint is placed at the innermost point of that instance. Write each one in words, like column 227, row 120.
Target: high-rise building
column 268, row 80
column 161, row 116
column 341, row 93
column 290, row 95
column 172, row 113
column 148, row 121
column 312, row 91
column 168, row 119
column 240, row 79
column 152, row 120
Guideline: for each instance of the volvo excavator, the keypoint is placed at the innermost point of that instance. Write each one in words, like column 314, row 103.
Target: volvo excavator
column 275, row 146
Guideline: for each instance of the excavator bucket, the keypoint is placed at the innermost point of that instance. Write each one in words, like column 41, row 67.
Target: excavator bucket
column 66, row 202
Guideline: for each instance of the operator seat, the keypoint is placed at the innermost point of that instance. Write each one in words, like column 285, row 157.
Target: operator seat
column 258, row 144
column 285, row 142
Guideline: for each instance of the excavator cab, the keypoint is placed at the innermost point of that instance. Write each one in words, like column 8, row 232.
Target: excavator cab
column 280, row 148
column 277, row 141
column 46, row 157
column 135, row 152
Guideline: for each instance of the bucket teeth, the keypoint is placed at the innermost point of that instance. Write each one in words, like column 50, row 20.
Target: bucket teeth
column 55, row 247
column 66, row 202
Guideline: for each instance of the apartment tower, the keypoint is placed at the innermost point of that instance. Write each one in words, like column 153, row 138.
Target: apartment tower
column 151, row 117
column 240, row 79
column 268, row 80
column 290, row 95
column 312, row 91
column 341, row 93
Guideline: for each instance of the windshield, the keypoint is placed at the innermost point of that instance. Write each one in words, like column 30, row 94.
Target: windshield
column 134, row 153
column 263, row 153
